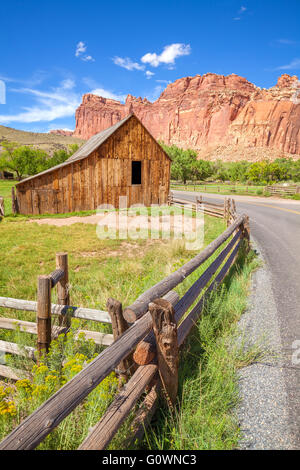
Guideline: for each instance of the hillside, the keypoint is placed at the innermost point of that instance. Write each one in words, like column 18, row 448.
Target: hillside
column 47, row 142
column 219, row 116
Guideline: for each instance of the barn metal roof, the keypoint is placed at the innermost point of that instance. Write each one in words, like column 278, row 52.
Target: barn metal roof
column 94, row 142
column 86, row 149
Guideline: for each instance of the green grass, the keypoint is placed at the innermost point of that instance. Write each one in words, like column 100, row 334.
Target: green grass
column 124, row 269
column 98, row 268
column 5, row 191
column 231, row 190
column 204, row 418
column 224, row 189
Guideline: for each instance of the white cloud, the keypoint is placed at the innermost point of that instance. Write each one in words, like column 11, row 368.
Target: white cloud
column 80, row 48
column 50, row 105
column 240, row 13
column 168, row 55
column 2, row 92
column 108, row 94
column 61, row 127
column 164, row 81
column 293, row 65
column 127, row 63
column 97, row 89
column 68, row 84
column 37, row 78
column 149, row 74
column 88, row 58
column 286, row 42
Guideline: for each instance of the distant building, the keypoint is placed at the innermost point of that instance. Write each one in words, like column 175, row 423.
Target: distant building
column 6, row 175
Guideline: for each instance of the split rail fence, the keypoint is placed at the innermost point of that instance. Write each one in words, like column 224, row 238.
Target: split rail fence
column 2, row 211
column 276, row 190
column 226, row 210
column 148, row 335
column 44, row 309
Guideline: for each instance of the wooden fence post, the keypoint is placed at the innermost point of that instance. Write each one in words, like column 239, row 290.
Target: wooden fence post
column 170, row 199
column 246, row 233
column 198, row 203
column 1, row 206
column 226, row 211
column 63, row 294
column 43, row 314
column 119, row 326
column 165, row 330
column 14, row 201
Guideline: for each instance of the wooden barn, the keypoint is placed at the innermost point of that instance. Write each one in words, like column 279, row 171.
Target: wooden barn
column 123, row 160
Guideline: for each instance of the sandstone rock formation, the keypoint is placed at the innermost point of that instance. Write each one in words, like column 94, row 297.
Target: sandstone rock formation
column 209, row 113
column 61, row 132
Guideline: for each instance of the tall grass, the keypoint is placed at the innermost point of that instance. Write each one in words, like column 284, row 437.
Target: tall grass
column 208, row 387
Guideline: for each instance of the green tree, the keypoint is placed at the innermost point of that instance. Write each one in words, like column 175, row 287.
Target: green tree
column 23, row 160
column 200, row 170
column 181, row 168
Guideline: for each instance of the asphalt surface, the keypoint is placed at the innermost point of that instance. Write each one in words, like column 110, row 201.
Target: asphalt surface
column 275, row 305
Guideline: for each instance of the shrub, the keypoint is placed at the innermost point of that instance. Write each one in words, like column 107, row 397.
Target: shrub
column 67, row 356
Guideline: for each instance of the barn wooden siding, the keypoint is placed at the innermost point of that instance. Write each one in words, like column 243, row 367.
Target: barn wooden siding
column 102, row 177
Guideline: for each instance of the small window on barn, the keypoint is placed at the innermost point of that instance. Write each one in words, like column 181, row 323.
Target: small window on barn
column 136, row 172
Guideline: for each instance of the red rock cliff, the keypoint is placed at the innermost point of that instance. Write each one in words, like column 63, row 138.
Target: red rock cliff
column 207, row 111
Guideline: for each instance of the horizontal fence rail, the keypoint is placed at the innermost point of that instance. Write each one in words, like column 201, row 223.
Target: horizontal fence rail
column 139, row 337
column 44, row 309
column 75, row 312
column 289, row 190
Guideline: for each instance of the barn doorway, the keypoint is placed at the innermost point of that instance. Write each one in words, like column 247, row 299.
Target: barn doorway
column 136, row 172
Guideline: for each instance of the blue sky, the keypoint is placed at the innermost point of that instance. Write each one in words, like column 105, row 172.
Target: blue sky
column 52, row 52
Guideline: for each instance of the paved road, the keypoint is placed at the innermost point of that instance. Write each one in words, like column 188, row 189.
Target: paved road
column 275, row 227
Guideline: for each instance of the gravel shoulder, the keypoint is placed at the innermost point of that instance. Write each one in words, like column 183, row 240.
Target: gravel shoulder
column 263, row 412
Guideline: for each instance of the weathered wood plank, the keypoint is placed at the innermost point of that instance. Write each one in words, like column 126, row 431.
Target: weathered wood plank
column 140, row 306
column 144, row 415
column 165, row 330
column 188, row 323
column 146, row 349
column 56, row 276
column 2, row 212
column 13, row 348
column 63, row 295
column 12, row 374
column 43, row 316
column 31, row 327
column 119, row 326
column 76, row 312
column 103, row 432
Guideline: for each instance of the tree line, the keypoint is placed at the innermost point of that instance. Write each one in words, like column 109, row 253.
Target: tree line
column 186, row 167
column 25, row 160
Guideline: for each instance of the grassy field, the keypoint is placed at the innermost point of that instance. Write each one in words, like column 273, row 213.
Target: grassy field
column 124, row 269
column 222, row 188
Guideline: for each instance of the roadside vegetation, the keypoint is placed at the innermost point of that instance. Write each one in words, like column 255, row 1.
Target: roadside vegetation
column 121, row 269
column 205, row 418
column 185, row 167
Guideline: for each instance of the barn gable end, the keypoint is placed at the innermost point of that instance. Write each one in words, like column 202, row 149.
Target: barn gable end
column 102, row 176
